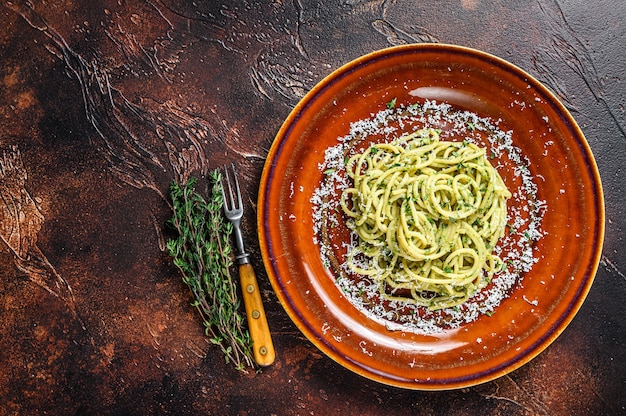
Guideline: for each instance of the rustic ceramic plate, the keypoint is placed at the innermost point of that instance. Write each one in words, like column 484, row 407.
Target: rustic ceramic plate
column 535, row 311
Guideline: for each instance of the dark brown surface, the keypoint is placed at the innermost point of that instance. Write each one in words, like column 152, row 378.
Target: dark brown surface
column 107, row 102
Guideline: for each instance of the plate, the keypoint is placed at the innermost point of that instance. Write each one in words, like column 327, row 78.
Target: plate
column 536, row 309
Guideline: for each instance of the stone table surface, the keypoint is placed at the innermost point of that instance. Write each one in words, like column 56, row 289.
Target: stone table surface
column 104, row 103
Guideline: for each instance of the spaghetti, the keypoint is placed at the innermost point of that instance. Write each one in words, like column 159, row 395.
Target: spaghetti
column 428, row 214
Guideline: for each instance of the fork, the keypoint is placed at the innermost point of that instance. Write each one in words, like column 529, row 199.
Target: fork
column 262, row 346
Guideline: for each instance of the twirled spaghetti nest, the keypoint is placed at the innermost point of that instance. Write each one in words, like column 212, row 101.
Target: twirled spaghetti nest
column 428, row 214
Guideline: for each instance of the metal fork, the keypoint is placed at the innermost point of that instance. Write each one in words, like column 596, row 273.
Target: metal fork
column 262, row 346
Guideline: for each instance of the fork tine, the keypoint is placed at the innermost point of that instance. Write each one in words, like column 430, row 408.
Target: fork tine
column 230, row 190
column 239, row 198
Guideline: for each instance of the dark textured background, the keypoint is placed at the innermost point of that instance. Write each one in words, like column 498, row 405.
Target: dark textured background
column 106, row 102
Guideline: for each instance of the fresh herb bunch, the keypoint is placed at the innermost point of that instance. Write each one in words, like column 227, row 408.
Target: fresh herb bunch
column 202, row 252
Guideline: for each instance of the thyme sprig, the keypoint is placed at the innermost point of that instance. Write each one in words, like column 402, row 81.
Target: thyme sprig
column 202, row 252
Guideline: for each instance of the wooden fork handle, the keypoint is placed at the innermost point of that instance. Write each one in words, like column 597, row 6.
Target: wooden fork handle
column 262, row 345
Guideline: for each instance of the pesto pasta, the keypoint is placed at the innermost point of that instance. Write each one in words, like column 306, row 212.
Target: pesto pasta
column 428, row 214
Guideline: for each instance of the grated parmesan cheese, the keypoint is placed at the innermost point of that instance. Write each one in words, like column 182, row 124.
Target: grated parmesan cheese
column 516, row 248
